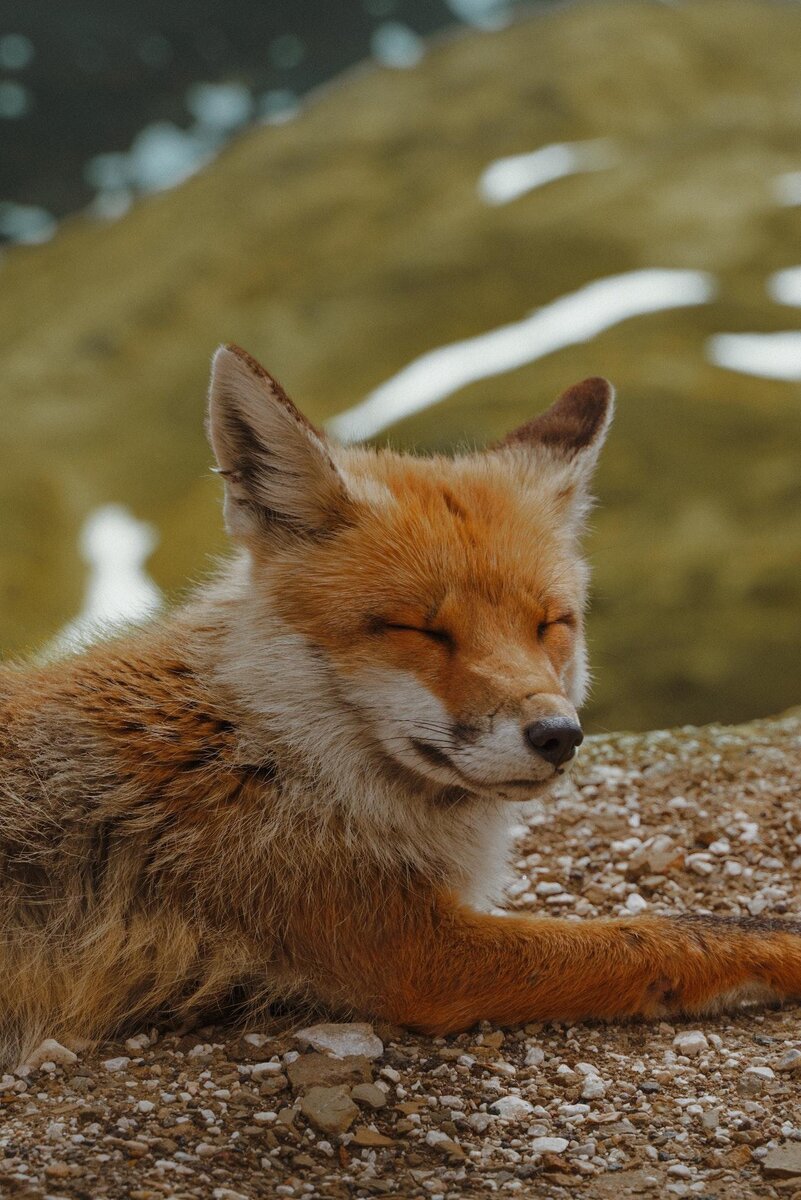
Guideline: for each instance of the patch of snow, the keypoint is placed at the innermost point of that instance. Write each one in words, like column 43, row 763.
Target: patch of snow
column 768, row 355
column 119, row 592
column 508, row 178
column 785, row 286
column 571, row 319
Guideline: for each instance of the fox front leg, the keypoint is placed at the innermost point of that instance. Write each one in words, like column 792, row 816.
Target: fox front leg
column 454, row 967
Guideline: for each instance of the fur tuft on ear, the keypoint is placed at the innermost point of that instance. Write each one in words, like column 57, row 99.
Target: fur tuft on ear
column 567, row 439
column 279, row 474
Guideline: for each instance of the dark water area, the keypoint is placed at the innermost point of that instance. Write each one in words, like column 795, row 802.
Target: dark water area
column 83, row 79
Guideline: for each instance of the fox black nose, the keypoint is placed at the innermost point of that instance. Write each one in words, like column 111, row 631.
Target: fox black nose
column 554, row 739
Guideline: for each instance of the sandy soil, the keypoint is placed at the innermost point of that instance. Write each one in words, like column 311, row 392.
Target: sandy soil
column 709, row 1108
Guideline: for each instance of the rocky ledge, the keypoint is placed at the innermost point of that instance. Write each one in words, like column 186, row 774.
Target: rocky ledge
column 689, row 820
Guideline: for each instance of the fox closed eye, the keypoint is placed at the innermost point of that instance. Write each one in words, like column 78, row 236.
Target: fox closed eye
column 567, row 619
column 436, row 635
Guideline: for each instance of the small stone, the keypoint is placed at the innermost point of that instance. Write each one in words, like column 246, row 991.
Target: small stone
column 754, row 1080
column 512, row 1108
column 738, row 1156
column 370, row 1137
column 692, row 1043
column 444, row 1144
column 323, row 1070
column 135, row 1045
column 263, row 1070
column 50, row 1051
column 116, row 1064
column 791, row 1061
column 329, row 1109
column 784, row 1162
column 548, row 888
column 594, row 1088
column 656, row 856
column 535, row 1056
column 342, row 1040
column 711, row 1118
column 699, row 863
column 548, row 1145
column 257, row 1040
column 635, row 903
column 369, row 1094
column 480, row 1121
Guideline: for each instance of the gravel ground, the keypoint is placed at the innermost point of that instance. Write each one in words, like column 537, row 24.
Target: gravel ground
column 703, row 820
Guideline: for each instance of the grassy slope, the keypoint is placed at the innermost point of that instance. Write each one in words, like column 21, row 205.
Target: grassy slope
column 341, row 246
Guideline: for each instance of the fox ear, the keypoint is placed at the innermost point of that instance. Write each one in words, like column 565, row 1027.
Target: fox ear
column 279, row 474
column 568, row 437
column 574, row 426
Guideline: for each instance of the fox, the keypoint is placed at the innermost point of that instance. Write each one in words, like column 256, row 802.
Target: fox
column 299, row 788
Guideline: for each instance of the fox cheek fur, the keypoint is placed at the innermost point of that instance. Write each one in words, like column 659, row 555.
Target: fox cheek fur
column 297, row 785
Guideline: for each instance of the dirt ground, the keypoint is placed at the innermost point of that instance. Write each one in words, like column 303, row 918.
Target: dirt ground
column 704, row 820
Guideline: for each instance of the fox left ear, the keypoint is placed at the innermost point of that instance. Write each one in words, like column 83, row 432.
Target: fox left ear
column 570, row 433
column 280, row 478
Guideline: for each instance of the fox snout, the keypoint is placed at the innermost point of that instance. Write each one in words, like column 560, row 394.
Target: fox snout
column 555, row 739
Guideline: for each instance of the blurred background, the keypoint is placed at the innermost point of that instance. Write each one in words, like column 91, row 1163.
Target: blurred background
column 427, row 218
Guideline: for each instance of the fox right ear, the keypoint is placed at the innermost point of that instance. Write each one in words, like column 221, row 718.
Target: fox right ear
column 574, row 427
column 567, row 439
column 279, row 474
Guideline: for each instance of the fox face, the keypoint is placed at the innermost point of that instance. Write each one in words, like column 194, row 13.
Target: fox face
column 443, row 599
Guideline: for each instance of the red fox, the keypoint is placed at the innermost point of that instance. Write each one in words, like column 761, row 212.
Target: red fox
column 300, row 786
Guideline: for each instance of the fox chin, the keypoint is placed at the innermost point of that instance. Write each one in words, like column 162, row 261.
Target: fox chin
column 300, row 785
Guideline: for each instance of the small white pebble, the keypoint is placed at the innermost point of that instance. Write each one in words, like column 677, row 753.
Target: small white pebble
column 137, row 1044
column 548, row 1145
column 256, row 1039
column 116, row 1064
column 512, row 1108
column 760, row 1072
column 480, row 1121
column 548, row 888
column 435, row 1136
column 260, row 1070
column 700, row 864
column 721, row 846
column 594, row 1088
column 635, row 903
column 692, row 1043
column 52, row 1052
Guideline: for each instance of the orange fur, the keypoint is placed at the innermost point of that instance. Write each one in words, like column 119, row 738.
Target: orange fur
column 301, row 784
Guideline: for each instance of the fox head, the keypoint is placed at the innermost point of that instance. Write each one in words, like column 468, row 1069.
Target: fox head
column 443, row 598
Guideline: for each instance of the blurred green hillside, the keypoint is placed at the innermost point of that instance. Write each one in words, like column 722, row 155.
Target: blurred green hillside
column 342, row 245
